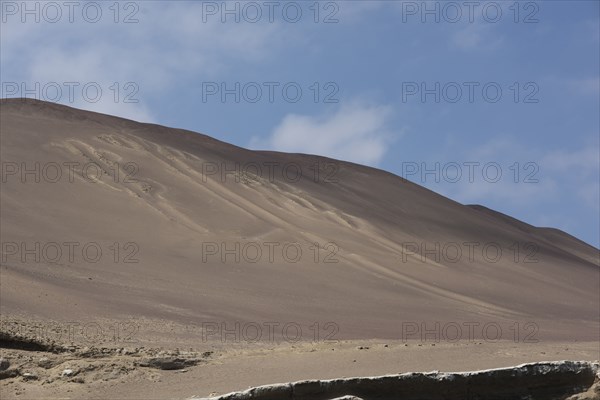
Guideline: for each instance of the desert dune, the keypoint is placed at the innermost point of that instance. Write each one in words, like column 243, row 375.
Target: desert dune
column 118, row 234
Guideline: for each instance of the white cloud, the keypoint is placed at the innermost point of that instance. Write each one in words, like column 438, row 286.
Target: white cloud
column 355, row 132
column 169, row 41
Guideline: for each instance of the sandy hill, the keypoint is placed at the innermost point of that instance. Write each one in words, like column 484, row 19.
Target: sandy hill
column 192, row 229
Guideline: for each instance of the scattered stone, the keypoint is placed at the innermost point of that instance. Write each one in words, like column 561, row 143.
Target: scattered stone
column 168, row 363
column 28, row 376
column 44, row 362
column 9, row 373
column 67, row 372
column 4, row 364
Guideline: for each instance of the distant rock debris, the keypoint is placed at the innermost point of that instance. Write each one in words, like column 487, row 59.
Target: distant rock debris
column 168, row 363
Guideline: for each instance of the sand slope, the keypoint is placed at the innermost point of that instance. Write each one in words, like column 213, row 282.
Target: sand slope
column 169, row 204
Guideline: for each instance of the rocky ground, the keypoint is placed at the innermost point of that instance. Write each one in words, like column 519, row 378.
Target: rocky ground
column 86, row 366
column 33, row 369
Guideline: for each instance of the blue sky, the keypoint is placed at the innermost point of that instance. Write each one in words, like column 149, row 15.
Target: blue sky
column 502, row 99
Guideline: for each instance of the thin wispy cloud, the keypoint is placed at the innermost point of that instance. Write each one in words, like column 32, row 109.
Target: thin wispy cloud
column 354, row 132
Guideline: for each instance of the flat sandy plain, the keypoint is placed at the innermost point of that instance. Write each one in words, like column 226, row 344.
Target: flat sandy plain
column 146, row 238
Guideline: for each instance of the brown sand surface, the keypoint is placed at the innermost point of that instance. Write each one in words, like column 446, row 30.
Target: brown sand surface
column 190, row 252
